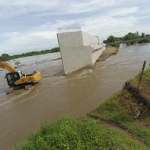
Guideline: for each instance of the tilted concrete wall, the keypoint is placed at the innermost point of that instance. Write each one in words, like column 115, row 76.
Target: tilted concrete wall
column 89, row 39
column 78, row 49
column 96, row 54
column 71, row 62
column 70, row 39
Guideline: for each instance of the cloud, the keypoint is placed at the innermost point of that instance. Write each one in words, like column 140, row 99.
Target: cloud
column 89, row 6
column 104, row 26
column 32, row 24
column 17, row 7
column 43, row 34
column 123, row 11
column 19, row 43
column 52, row 7
column 45, row 37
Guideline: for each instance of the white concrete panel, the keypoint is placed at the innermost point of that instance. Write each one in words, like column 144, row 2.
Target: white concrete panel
column 70, row 39
column 78, row 49
column 89, row 39
column 96, row 47
column 96, row 54
column 75, row 58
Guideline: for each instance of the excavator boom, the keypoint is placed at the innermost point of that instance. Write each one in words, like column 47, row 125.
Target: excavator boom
column 6, row 66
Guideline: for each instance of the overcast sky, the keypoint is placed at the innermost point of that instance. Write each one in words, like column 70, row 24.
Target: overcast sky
column 28, row 25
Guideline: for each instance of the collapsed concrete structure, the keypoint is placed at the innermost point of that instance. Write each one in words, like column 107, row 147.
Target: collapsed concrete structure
column 78, row 49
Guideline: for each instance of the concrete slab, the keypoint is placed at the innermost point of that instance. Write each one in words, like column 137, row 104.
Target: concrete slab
column 79, row 49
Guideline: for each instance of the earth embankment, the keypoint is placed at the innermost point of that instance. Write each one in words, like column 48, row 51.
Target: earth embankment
column 107, row 53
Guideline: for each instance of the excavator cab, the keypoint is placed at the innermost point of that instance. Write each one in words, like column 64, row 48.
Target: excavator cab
column 12, row 77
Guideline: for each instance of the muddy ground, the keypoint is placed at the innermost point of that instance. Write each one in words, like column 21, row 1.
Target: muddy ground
column 107, row 53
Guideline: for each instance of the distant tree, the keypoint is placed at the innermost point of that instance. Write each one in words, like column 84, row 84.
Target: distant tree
column 110, row 39
column 4, row 57
column 147, row 35
column 130, row 36
column 137, row 33
column 56, row 49
column 142, row 35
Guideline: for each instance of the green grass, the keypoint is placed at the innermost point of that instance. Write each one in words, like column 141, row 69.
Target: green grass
column 78, row 134
column 122, row 108
column 146, row 76
column 113, row 108
column 141, row 131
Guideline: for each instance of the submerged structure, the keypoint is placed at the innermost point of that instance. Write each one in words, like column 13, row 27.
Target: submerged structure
column 78, row 49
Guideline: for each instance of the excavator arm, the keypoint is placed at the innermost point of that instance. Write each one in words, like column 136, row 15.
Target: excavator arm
column 6, row 66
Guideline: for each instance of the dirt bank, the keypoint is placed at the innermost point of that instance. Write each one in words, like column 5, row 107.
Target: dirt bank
column 143, row 95
column 127, row 111
column 107, row 52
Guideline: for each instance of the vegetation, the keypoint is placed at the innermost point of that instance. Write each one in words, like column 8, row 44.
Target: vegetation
column 129, row 112
column 121, row 122
column 146, row 76
column 73, row 134
column 6, row 57
column 129, row 36
column 123, row 109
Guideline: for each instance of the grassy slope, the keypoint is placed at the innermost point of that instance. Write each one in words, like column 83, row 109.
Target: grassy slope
column 123, row 109
column 77, row 134
column 112, row 125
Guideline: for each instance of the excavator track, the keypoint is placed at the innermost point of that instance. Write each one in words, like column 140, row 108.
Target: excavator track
column 28, row 87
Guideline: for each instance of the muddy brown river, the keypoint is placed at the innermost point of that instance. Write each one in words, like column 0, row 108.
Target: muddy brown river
column 57, row 96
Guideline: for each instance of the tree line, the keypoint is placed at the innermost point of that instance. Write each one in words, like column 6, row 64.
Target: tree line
column 6, row 57
column 129, row 36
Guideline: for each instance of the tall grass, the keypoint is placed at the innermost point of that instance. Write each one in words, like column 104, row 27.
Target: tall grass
column 78, row 134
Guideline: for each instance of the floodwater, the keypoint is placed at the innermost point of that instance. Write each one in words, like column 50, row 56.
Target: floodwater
column 28, row 65
column 57, row 96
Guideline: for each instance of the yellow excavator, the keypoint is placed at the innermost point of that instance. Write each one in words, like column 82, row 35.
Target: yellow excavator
column 17, row 79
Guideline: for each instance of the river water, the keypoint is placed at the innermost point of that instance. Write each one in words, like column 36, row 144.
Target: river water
column 57, row 96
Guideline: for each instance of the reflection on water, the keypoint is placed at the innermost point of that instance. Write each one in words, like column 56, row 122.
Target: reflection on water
column 75, row 95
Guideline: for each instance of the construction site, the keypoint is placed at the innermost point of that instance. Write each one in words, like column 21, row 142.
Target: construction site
column 73, row 83
column 78, row 49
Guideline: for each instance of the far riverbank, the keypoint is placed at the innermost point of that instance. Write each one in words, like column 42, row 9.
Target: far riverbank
column 107, row 53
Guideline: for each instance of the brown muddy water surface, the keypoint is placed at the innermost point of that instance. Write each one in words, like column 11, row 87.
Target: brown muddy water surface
column 57, row 96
